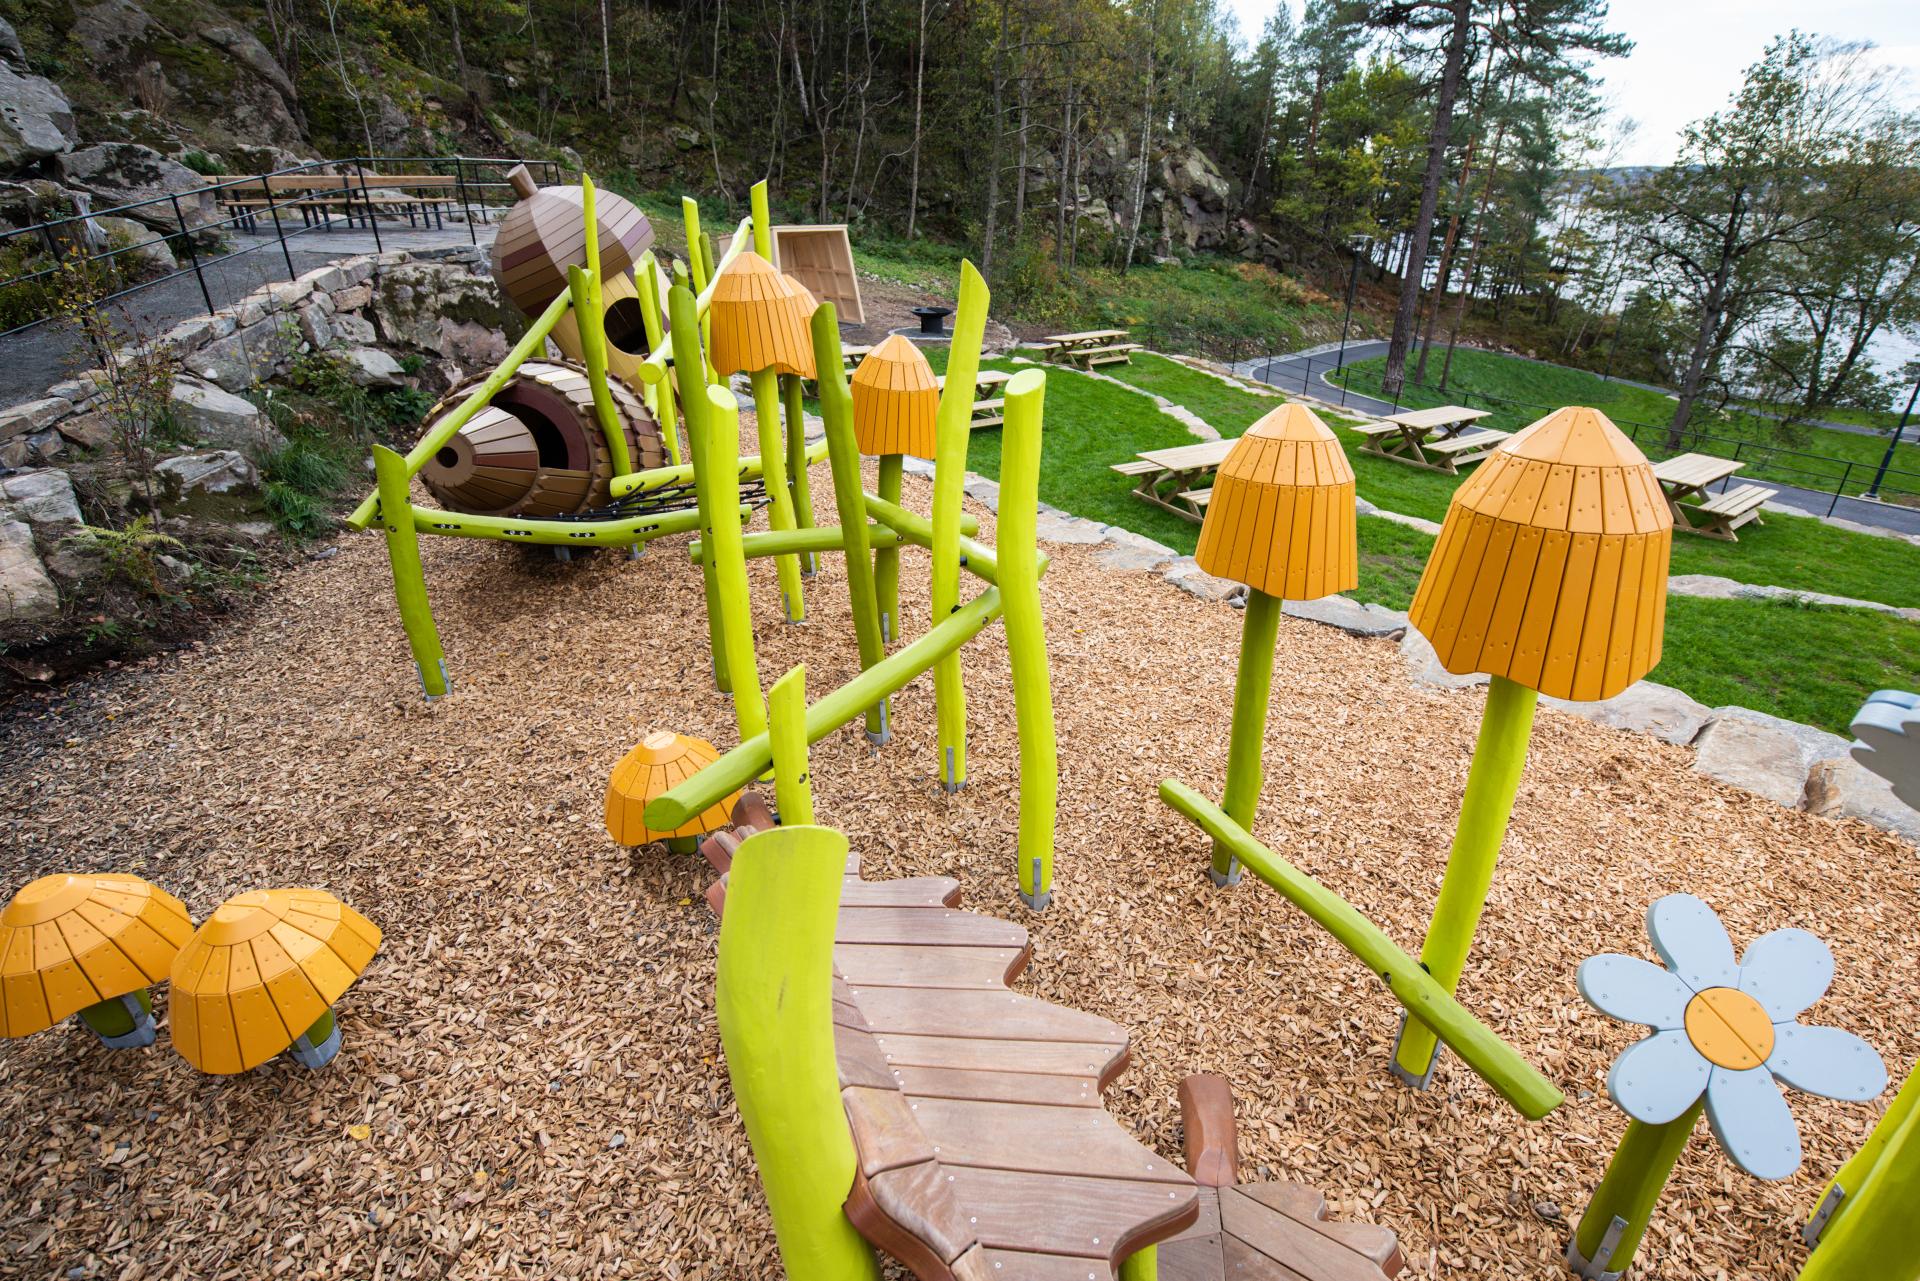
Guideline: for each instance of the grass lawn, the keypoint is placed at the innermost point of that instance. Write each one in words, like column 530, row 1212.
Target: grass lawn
column 1813, row 457
column 1227, row 409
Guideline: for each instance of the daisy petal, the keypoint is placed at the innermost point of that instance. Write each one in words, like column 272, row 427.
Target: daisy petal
column 1693, row 943
column 1826, row 1061
column 1657, row 1079
column 1634, row 991
column 1752, row 1122
column 1786, row 971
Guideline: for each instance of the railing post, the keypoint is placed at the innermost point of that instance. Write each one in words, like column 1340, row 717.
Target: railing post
column 366, row 198
column 192, row 252
column 1839, row 488
column 267, row 184
column 460, row 182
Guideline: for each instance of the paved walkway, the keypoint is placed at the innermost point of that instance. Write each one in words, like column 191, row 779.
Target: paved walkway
column 1306, row 373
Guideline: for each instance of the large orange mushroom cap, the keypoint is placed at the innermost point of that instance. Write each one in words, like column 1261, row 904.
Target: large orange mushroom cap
column 260, row 971
column 1551, row 569
column 760, row 320
column 69, row 941
column 662, row 761
column 895, row 400
column 1281, row 517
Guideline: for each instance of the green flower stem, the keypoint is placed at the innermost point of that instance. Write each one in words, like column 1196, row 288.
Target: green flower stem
column 1252, row 687
column 1632, row 1184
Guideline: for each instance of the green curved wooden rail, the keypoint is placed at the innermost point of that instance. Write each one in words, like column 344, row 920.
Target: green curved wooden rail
column 1491, row 1058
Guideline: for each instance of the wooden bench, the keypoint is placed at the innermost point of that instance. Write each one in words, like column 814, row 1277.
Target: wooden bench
column 1116, row 354
column 983, row 1150
column 1197, row 498
column 355, row 197
column 1136, row 467
column 1732, row 509
column 1467, row 449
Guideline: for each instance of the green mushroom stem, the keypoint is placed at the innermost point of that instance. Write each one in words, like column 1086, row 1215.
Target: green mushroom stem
column 690, row 367
column 798, row 481
column 683, row 844
column 1872, row 1219
column 322, row 1029
column 112, row 1018
column 1632, row 1184
column 1499, row 757
column 1252, row 687
column 773, row 468
column 886, row 561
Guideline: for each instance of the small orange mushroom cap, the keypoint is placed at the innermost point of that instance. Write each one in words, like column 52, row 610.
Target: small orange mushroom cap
column 760, row 320
column 68, row 941
column 662, row 761
column 1551, row 569
column 260, row 971
column 1281, row 518
column 895, row 400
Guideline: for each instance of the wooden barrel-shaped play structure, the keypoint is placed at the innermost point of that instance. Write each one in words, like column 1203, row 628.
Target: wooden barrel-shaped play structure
column 546, row 232
column 537, row 449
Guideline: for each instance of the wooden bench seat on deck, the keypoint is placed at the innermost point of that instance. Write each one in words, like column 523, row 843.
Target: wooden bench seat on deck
column 983, row 1149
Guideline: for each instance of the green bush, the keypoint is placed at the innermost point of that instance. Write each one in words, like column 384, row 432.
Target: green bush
column 202, row 163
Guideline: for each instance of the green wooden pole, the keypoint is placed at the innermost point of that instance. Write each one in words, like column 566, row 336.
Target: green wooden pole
column 409, row 579
column 766, row 412
column 1496, row 1062
column 559, row 533
column 443, row 431
column 688, row 364
column 722, row 422
column 735, row 769
column 798, row 481
column 593, row 339
column 773, row 990
column 1141, row 1265
column 1019, row 574
column 1632, row 1184
column 886, row 561
column 697, row 264
column 952, row 431
column 762, row 220
column 787, row 739
column 843, row 457
column 649, row 283
column 1872, row 1226
column 1498, row 759
column 1252, row 689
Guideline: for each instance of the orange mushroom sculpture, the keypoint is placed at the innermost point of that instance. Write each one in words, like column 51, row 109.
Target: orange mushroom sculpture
column 661, row 760
column 87, row 945
column 895, row 400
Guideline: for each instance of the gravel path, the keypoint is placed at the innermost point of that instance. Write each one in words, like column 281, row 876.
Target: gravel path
column 531, row 1082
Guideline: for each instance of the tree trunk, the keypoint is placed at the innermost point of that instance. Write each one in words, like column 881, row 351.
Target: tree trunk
column 1698, row 359
column 1020, row 173
column 993, row 147
column 1396, row 371
column 1066, row 176
column 1146, row 142
column 919, row 88
column 606, row 55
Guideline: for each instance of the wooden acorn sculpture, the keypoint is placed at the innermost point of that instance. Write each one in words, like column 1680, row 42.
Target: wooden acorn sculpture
column 545, row 233
column 91, row 946
column 662, row 760
column 261, row 976
column 1550, row 575
column 895, row 399
column 759, row 319
column 1280, row 520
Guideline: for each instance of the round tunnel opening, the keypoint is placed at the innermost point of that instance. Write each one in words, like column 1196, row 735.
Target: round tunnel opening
column 626, row 326
column 447, row 457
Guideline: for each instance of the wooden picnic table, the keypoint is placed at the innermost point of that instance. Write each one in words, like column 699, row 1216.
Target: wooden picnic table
column 1090, row 347
column 1171, row 478
column 1431, row 438
column 854, row 353
column 1716, row 515
column 989, row 410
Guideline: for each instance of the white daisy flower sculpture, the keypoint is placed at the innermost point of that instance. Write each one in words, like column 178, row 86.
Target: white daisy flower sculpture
column 1725, row 1037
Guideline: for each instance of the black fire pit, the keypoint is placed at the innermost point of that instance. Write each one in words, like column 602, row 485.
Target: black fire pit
column 933, row 320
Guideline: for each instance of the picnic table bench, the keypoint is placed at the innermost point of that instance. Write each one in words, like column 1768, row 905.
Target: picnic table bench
column 1431, row 438
column 1090, row 347
column 983, row 1149
column 356, row 197
column 1716, row 515
column 989, row 410
column 1170, row 479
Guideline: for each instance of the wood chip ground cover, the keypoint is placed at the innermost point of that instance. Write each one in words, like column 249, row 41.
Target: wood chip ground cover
column 531, row 1082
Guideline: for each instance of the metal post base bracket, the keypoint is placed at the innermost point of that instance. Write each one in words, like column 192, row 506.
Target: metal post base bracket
column 446, row 682
column 309, row 1055
column 1595, row 1269
column 1811, row 1230
column 1405, row 1077
column 140, row 1036
column 1228, row 879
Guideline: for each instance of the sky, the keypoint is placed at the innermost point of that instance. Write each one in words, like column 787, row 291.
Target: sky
column 1689, row 54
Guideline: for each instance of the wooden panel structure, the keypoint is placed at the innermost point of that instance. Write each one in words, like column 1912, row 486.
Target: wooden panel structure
column 1551, row 569
column 545, row 233
column 537, row 448
column 760, row 320
column 656, row 763
column 261, row 971
column 820, row 258
column 68, row 941
column 1281, row 515
column 984, row 1151
column 895, row 398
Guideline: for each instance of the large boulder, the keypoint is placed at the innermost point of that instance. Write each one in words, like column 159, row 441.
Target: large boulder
column 153, row 255
column 1844, row 788
column 220, row 418
column 370, row 367
column 1646, row 708
column 119, row 173
column 243, row 48
column 46, row 502
column 108, row 30
column 10, row 47
column 446, row 310
column 218, row 471
column 1764, row 754
column 36, row 120
column 27, row 594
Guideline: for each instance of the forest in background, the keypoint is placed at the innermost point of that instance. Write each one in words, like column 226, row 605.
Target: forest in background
column 1454, row 151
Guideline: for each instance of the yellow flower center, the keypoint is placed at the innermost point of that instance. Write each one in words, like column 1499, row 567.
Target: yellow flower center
column 1729, row 1028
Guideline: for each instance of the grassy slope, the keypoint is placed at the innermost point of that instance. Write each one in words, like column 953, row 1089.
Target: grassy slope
column 1644, row 415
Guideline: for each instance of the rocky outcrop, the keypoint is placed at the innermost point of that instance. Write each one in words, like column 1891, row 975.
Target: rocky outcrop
column 27, row 593
column 40, row 544
column 220, row 471
column 462, row 316
column 36, row 120
column 119, row 173
column 220, row 418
